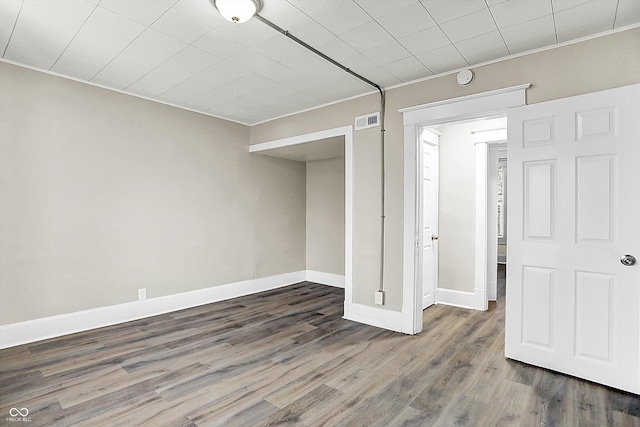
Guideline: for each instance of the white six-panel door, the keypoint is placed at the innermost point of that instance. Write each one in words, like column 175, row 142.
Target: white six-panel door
column 574, row 211
column 429, row 222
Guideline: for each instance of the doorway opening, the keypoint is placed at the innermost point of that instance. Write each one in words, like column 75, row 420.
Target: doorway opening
column 482, row 106
column 447, row 208
column 497, row 217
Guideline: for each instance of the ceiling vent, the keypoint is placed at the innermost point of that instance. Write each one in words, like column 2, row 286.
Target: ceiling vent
column 368, row 121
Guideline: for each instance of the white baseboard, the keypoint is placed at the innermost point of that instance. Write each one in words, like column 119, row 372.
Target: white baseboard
column 274, row 282
column 373, row 316
column 492, row 291
column 49, row 327
column 455, row 298
column 480, row 299
column 328, row 279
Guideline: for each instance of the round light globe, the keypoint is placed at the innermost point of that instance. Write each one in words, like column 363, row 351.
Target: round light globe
column 237, row 11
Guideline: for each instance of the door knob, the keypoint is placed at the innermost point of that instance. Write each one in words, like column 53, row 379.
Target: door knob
column 628, row 260
column 434, row 237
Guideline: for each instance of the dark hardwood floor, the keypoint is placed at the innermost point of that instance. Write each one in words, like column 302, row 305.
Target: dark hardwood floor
column 286, row 357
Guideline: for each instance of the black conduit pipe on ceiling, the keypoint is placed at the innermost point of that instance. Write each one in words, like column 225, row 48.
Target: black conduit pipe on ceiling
column 382, row 129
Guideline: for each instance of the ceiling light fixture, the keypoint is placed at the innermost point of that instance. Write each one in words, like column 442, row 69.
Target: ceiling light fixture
column 238, row 11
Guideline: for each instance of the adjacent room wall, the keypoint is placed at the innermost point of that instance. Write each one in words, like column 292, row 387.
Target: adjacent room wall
column 104, row 193
column 502, row 253
column 565, row 71
column 457, row 203
column 326, row 216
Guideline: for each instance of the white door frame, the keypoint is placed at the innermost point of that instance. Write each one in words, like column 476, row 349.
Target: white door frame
column 477, row 106
column 497, row 150
column 486, row 237
column 347, row 132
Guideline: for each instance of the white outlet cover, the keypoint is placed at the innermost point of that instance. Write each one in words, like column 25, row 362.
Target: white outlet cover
column 379, row 299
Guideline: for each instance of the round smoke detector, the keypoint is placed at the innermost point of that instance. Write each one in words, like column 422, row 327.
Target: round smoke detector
column 465, row 77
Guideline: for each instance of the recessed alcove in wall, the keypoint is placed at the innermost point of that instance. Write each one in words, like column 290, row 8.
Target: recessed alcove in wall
column 327, row 155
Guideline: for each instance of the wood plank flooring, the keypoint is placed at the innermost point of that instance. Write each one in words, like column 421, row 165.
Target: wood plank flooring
column 286, row 357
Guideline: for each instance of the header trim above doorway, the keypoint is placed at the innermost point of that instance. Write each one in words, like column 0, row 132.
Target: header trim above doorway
column 465, row 107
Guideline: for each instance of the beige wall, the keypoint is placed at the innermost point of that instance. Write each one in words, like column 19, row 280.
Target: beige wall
column 325, row 216
column 597, row 64
column 103, row 193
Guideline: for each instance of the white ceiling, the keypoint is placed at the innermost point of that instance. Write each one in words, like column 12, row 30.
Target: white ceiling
column 184, row 53
column 313, row 151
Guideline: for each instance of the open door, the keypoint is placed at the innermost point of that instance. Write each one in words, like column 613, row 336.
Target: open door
column 428, row 222
column 573, row 289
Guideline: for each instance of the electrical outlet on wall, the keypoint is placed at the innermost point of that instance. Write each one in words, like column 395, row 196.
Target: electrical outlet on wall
column 380, row 297
column 142, row 294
